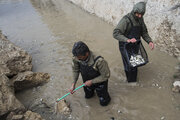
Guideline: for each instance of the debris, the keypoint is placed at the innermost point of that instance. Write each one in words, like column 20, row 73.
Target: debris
column 162, row 118
column 176, row 86
column 176, row 89
column 119, row 111
column 176, row 83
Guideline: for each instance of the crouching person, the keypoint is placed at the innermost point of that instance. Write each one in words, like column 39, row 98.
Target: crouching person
column 94, row 71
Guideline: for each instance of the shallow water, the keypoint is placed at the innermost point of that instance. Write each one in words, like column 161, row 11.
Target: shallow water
column 47, row 29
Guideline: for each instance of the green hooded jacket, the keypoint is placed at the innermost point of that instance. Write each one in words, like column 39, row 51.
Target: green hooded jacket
column 100, row 65
column 124, row 25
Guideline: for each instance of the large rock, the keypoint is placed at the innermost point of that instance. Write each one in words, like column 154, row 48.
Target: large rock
column 13, row 59
column 29, row 79
column 8, row 101
column 15, row 71
column 29, row 115
column 62, row 107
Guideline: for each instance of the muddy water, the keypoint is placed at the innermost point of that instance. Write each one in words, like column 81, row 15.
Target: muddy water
column 47, row 29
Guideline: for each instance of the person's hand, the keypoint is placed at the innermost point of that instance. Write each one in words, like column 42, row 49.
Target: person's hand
column 133, row 40
column 71, row 90
column 151, row 45
column 88, row 83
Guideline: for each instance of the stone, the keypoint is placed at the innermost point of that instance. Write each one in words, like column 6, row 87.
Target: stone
column 176, row 83
column 17, row 117
column 62, row 107
column 10, row 115
column 8, row 101
column 162, row 118
column 39, row 104
column 15, row 71
column 13, row 59
column 176, row 89
column 29, row 79
column 29, row 115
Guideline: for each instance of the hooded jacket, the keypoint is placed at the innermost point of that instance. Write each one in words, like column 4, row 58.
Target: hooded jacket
column 100, row 65
column 124, row 26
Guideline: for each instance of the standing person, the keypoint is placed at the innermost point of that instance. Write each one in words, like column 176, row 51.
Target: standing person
column 128, row 32
column 94, row 71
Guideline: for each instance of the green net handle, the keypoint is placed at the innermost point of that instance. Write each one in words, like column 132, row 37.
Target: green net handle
column 70, row 92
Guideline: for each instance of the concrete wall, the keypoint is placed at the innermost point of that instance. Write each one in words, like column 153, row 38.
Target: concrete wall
column 162, row 18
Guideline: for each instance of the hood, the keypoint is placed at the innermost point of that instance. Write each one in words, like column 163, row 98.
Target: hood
column 139, row 7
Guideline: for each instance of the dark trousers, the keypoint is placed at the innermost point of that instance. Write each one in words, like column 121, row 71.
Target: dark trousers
column 131, row 75
column 101, row 90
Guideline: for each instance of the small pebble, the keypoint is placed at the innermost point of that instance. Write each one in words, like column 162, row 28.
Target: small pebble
column 162, row 118
column 119, row 111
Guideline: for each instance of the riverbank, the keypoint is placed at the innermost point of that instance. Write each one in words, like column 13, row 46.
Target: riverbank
column 16, row 75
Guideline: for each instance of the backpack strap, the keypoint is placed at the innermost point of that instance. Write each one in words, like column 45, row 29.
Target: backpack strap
column 129, row 20
column 96, row 59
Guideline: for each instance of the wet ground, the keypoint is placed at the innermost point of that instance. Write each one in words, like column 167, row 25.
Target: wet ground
column 47, row 29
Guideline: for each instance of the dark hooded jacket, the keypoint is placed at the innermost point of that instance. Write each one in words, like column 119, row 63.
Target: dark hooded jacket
column 121, row 31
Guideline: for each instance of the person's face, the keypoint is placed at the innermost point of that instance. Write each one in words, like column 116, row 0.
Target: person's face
column 83, row 58
column 138, row 15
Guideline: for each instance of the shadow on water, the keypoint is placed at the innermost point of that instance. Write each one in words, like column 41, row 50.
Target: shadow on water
column 47, row 29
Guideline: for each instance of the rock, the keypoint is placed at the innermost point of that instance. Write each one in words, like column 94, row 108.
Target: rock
column 39, row 104
column 10, row 115
column 162, row 118
column 63, row 107
column 119, row 111
column 4, row 69
column 29, row 79
column 176, row 83
column 176, row 86
column 15, row 71
column 176, row 89
column 13, row 59
column 17, row 117
column 29, row 115
column 8, row 101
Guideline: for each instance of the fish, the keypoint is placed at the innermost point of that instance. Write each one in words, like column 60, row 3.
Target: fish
column 136, row 60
